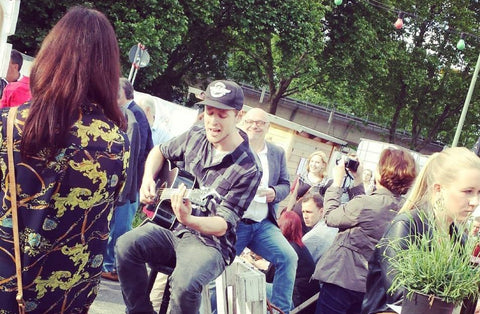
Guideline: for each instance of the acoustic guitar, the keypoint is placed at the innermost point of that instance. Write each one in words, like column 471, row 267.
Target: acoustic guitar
column 167, row 183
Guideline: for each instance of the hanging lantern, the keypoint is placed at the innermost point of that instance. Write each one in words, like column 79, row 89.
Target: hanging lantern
column 399, row 22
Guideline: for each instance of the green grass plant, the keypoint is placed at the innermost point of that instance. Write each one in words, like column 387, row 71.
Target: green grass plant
column 436, row 263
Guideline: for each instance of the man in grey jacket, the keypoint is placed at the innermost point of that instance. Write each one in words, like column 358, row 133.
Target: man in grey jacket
column 258, row 229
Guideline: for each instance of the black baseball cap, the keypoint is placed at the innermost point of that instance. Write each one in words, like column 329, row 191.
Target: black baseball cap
column 223, row 94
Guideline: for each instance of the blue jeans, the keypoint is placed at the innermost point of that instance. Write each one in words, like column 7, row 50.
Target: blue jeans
column 195, row 265
column 265, row 239
column 334, row 299
column 120, row 223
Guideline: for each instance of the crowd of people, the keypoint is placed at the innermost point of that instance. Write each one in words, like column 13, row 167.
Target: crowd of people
column 86, row 157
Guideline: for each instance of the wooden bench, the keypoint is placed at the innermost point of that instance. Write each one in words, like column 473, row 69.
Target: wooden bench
column 241, row 289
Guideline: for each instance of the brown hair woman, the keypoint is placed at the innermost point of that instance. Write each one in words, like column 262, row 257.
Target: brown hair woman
column 70, row 157
column 361, row 221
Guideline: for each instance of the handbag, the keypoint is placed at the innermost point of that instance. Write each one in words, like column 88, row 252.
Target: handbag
column 12, row 113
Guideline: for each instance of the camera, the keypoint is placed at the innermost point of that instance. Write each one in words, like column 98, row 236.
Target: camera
column 350, row 163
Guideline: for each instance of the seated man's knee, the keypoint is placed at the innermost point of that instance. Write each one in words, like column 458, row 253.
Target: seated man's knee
column 185, row 287
column 129, row 244
column 123, row 245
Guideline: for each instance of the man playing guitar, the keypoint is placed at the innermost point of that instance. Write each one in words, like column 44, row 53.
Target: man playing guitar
column 218, row 156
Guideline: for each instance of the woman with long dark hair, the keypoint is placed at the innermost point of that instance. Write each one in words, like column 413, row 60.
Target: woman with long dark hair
column 70, row 157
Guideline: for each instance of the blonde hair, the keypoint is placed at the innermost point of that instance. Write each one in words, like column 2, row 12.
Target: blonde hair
column 441, row 168
column 324, row 158
column 1, row 17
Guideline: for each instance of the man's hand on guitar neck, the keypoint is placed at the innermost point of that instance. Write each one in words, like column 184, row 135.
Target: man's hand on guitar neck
column 214, row 225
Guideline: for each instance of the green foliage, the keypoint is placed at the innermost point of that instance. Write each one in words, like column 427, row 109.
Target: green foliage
column 279, row 50
column 412, row 79
column 159, row 26
column 348, row 56
column 435, row 264
column 138, row 218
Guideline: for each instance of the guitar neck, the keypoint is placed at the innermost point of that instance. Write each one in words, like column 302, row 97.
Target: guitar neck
column 196, row 196
column 166, row 193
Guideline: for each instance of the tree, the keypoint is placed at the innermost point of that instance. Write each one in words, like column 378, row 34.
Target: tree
column 406, row 79
column 159, row 25
column 349, row 56
column 185, row 39
column 279, row 48
column 35, row 19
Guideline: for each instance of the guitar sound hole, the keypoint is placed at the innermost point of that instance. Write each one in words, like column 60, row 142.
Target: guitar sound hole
column 165, row 214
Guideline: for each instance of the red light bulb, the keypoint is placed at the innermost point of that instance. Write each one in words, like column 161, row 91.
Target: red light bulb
column 399, row 23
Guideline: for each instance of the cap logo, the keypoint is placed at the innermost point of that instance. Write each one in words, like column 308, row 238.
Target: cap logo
column 219, row 90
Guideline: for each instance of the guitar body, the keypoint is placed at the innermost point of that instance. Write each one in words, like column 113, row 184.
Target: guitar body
column 168, row 180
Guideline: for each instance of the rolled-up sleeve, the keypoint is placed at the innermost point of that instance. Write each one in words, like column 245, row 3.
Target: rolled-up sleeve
column 341, row 215
column 239, row 197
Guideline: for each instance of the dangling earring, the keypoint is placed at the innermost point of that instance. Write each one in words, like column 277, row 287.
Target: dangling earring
column 439, row 205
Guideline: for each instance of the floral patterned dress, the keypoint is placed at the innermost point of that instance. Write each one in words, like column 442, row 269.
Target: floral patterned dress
column 63, row 208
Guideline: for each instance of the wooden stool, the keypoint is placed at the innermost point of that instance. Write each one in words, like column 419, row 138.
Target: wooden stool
column 167, row 270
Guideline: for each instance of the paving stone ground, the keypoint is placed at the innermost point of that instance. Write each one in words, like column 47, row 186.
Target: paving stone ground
column 109, row 299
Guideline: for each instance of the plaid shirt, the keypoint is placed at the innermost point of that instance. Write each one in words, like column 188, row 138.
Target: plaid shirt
column 235, row 178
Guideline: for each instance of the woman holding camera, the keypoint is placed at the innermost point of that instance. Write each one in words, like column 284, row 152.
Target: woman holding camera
column 342, row 270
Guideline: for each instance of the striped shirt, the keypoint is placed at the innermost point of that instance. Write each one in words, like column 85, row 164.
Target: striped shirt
column 235, row 177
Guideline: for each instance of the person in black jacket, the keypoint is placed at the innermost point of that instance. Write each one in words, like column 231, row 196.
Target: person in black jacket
column 449, row 187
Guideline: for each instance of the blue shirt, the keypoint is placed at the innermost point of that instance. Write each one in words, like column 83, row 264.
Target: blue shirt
column 319, row 239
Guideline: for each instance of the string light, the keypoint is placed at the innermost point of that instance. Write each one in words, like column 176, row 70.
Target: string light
column 399, row 23
column 401, row 14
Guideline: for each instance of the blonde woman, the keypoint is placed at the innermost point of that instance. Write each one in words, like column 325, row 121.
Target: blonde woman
column 314, row 179
column 449, row 187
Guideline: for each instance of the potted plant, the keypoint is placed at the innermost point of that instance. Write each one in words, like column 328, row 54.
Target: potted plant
column 434, row 266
